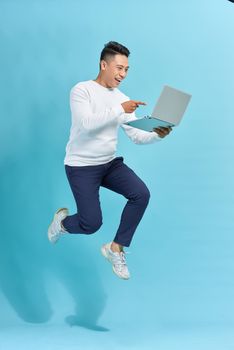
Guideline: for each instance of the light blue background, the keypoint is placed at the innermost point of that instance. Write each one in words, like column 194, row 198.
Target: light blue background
column 180, row 295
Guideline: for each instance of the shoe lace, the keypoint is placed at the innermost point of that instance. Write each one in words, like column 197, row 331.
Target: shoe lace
column 119, row 259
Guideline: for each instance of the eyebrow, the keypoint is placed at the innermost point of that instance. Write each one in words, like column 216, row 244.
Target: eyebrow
column 120, row 65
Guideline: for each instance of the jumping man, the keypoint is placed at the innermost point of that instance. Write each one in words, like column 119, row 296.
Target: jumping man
column 98, row 109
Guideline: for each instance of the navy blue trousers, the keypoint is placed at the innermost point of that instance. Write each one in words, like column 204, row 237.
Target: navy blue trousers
column 85, row 182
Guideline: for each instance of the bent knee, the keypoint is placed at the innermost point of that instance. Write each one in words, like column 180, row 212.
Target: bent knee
column 92, row 227
column 143, row 195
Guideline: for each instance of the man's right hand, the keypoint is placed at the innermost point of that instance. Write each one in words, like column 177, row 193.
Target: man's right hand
column 131, row 106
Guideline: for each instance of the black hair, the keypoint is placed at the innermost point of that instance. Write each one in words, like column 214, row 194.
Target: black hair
column 113, row 48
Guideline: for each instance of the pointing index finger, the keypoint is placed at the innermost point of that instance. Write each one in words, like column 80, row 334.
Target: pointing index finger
column 140, row 103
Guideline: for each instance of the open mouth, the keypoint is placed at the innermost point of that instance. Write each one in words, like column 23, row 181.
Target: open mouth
column 118, row 80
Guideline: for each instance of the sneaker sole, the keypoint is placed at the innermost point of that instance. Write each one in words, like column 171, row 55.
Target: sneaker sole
column 48, row 232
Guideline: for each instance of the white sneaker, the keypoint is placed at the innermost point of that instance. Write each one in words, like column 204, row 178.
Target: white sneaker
column 55, row 230
column 117, row 260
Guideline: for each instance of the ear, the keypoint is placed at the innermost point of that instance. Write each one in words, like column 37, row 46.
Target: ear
column 103, row 65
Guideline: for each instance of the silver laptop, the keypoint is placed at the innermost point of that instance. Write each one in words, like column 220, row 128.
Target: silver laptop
column 168, row 110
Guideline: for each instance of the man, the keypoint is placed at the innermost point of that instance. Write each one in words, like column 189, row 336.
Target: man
column 98, row 109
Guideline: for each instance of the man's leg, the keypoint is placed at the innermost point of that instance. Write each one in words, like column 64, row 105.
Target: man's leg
column 121, row 179
column 85, row 183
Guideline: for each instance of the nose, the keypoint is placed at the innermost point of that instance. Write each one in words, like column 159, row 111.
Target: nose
column 122, row 75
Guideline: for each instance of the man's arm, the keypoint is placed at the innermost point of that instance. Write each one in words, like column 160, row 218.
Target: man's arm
column 83, row 116
column 140, row 137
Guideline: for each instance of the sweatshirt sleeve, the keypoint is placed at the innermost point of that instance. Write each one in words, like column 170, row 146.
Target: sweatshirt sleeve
column 139, row 136
column 83, row 115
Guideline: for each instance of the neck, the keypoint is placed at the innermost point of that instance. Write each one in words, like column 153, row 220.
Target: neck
column 100, row 80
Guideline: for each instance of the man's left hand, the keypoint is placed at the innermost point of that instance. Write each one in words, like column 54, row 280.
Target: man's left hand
column 163, row 131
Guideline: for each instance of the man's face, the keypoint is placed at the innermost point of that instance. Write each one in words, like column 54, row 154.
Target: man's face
column 115, row 70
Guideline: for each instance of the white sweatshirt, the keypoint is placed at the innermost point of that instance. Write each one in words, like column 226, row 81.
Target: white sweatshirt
column 97, row 114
